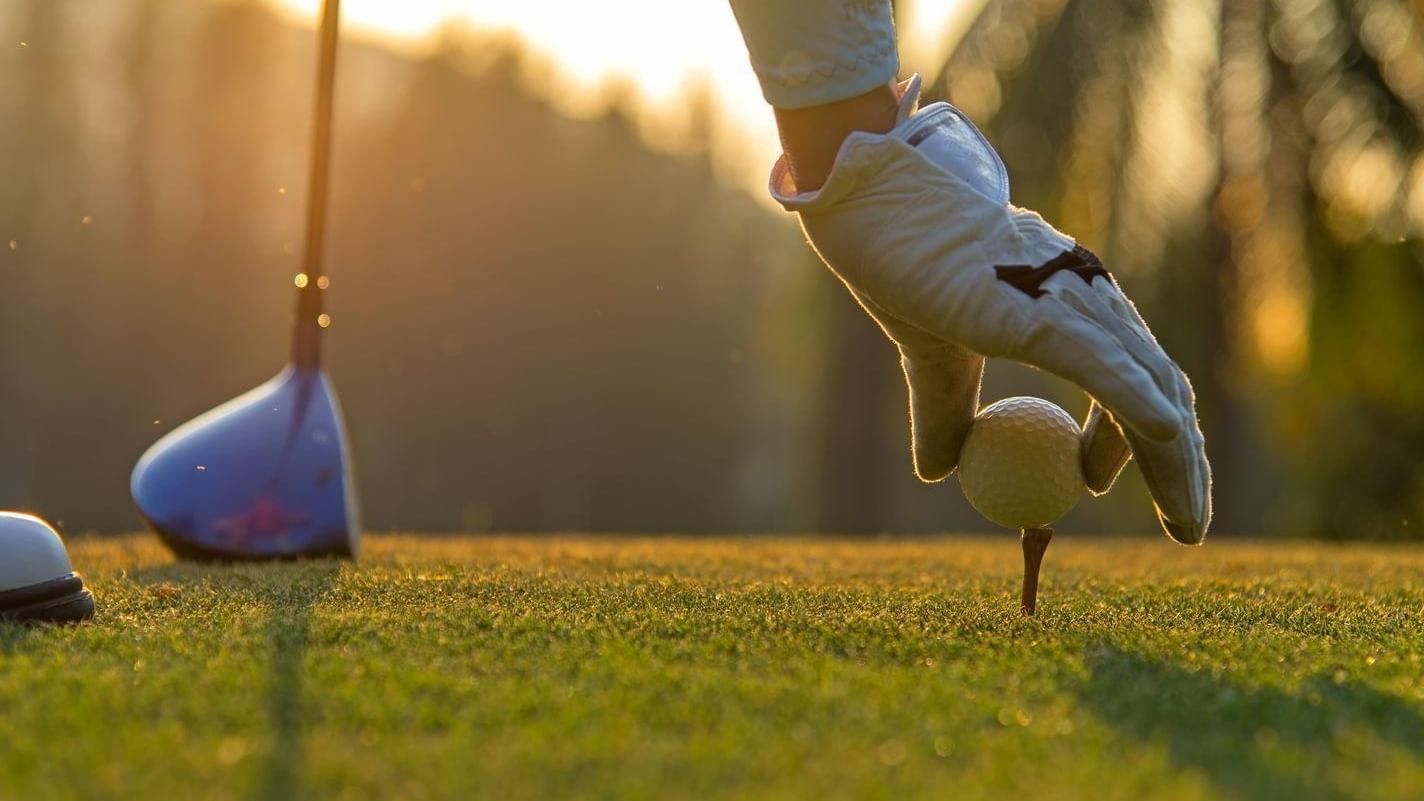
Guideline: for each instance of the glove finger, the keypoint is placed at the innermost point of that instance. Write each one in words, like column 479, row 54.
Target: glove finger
column 1105, row 450
column 944, row 395
column 1176, row 470
column 1103, row 302
column 943, row 383
column 1179, row 477
column 1072, row 346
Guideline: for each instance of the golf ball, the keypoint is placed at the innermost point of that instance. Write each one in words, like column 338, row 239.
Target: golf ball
column 1021, row 463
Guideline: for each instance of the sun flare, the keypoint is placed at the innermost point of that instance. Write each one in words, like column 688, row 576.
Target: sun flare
column 656, row 46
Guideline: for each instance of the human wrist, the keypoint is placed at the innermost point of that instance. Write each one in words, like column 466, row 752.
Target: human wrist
column 811, row 137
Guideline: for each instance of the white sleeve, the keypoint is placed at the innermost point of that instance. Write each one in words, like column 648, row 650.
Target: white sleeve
column 812, row 52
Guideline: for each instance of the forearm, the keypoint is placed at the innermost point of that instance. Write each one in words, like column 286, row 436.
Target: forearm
column 827, row 67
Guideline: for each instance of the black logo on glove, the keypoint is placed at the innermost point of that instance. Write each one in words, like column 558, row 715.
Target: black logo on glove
column 1029, row 280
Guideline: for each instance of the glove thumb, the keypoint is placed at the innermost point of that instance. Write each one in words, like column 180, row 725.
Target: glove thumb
column 943, row 380
column 944, row 395
column 1105, row 450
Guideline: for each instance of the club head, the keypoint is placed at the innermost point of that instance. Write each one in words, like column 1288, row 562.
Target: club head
column 264, row 476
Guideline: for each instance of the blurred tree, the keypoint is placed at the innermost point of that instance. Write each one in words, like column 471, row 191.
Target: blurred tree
column 35, row 223
column 862, row 415
column 544, row 323
column 1253, row 172
column 573, row 312
column 854, row 473
column 539, row 322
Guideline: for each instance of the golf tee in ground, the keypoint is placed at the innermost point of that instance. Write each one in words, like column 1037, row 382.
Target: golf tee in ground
column 1035, row 542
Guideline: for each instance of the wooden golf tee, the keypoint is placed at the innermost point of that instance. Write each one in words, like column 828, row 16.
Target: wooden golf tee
column 1035, row 542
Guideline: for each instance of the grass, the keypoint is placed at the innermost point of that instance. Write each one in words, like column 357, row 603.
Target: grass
column 658, row 668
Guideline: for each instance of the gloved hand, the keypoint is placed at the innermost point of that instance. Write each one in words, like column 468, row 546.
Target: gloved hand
column 918, row 224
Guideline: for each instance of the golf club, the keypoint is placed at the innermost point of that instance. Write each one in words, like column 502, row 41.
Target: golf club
column 268, row 474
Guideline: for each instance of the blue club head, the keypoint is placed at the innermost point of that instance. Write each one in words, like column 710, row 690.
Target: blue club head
column 267, row 475
column 264, row 476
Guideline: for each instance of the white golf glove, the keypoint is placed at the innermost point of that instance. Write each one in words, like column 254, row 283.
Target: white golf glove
column 917, row 223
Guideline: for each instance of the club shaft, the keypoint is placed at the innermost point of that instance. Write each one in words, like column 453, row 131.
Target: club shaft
column 306, row 346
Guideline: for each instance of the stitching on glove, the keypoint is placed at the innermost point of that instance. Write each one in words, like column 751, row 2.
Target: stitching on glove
column 1029, row 279
column 1079, row 305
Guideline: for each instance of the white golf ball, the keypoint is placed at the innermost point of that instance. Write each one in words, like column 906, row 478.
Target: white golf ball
column 1021, row 463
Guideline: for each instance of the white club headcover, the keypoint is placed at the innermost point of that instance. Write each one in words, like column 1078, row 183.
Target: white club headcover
column 37, row 583
column 30, row 552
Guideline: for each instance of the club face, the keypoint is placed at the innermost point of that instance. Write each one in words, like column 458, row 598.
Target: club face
column 264, row 476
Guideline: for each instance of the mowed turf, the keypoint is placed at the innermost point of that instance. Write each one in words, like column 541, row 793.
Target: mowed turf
column 666, row 668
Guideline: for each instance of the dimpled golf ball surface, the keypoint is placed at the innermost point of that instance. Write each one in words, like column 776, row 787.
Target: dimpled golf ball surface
column 1020, row 466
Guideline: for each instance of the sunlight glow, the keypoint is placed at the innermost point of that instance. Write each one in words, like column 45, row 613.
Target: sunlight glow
column 658, row 47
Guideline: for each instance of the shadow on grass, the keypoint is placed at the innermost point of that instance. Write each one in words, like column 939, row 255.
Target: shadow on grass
column 288, row 632
column 291, row 590
column 1232, row 733
column 12, row 635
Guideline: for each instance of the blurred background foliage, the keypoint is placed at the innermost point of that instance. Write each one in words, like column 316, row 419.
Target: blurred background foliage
column 547, row 323
column 1253, row 170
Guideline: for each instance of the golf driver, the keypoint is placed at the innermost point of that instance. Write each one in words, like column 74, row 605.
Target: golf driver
column 268, row 474
column 37, row 583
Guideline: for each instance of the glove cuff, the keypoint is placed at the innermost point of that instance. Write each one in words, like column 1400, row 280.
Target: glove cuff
column 941, row 132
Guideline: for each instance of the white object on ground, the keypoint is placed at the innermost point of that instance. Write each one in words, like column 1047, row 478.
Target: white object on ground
column 37, row 582
column 30, row 552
